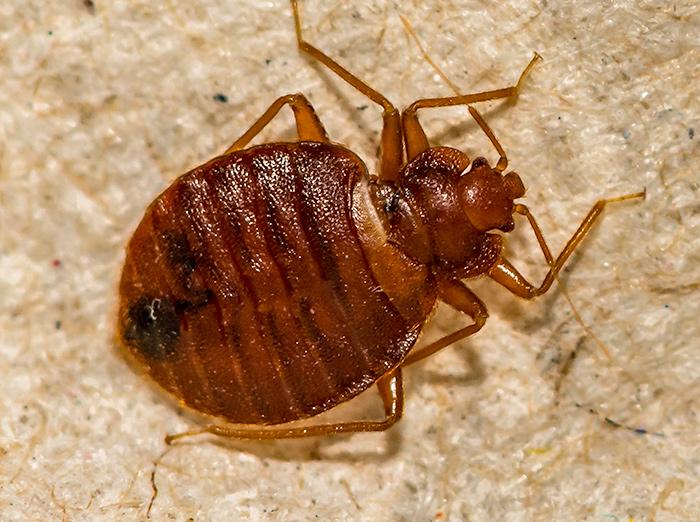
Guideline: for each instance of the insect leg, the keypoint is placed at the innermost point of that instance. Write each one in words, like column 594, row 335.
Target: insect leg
column 391, row 150
column 507, row 275
column 309, row 127
column 390, row 388
column 458, row 296
column 414, row 135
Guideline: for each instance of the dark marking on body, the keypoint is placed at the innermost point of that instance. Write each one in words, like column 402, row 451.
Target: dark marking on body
column 153, row 327
column 323, row 252
column 311, row 329
column 199, row 300
column 276, row 229
column 180, row 254
column 270, row 329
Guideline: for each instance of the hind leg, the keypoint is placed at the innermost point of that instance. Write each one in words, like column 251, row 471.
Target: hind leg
column 390, row 388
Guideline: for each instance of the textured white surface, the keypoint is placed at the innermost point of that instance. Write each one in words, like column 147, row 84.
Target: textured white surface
column 100, row 109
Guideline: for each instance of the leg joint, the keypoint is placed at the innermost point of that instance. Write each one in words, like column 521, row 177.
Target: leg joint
column 392, row 419
column 389, row 110
column 294, row 99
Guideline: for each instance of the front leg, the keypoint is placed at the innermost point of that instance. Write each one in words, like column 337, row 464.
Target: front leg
column 507, row 275
column 414, row 136
column 456, row 294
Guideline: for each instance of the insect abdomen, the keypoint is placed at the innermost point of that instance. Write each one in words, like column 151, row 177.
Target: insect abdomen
column 246, row 292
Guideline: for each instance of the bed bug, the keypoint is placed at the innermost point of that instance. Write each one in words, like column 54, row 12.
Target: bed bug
column 277, row 281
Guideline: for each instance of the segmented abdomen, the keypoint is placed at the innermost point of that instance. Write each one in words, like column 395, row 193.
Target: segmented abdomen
column 246, row 292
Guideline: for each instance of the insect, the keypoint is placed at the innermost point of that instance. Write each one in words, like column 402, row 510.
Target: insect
column 275, row 282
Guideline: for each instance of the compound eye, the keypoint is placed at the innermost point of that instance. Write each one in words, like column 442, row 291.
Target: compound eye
column 514, row 185
column 479, row 162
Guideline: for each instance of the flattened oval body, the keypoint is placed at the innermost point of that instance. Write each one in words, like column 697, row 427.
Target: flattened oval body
column 246, row 292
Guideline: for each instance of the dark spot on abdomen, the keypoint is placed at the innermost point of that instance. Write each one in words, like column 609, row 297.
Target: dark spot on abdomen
column 180, row 255
column 199, row 300
column 152, row 327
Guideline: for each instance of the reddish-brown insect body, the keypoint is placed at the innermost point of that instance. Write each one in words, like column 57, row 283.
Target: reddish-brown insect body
column 275, row 282
column 248, row 293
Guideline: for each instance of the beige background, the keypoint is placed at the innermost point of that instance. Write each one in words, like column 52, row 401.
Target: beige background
column 100, row 108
